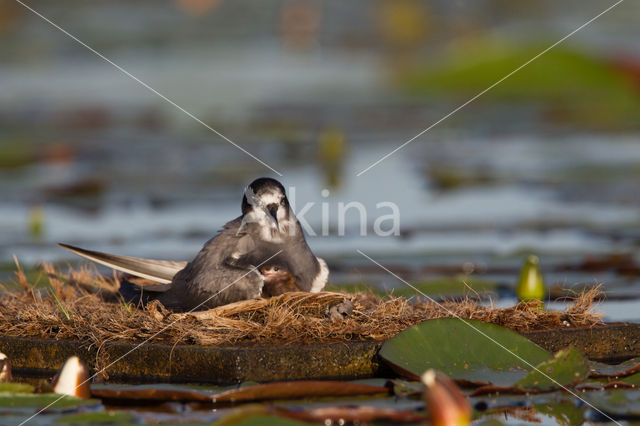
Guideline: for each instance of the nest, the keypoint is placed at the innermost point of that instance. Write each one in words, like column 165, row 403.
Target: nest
column 85, row 307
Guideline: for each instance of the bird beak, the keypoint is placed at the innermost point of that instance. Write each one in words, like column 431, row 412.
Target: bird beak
column 273, row 211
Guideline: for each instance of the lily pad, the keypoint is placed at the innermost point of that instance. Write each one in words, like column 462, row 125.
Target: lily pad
column 405, row 388
column 567, row 368
column 16, row 388
column 98, row 417
column 40, row 401
column 631, row 381
column 616, row 403
column 260, row 420
column 564, row 412
column 155, row 392
column 627, row 368
column 298, row 389
column 465, row 350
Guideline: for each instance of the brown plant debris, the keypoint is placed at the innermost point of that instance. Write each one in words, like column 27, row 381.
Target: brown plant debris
column 96, row 315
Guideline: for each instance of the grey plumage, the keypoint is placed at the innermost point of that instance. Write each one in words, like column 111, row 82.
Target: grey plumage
column 225, row 269
column 161, row 271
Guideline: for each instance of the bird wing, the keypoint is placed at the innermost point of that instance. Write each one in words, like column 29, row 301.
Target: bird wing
column 161, row 271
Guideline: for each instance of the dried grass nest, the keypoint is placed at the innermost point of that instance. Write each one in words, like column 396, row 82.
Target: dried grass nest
column 83, row 306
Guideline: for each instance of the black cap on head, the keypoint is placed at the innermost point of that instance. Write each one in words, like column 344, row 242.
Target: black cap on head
column 263, row 184
column 259, row 187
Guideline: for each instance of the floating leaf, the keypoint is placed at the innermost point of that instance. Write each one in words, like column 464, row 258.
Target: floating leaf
column 567, row 368
column 616, row 403
column 464, row 350
column 600, row 369
column 355, row 414
column 633, row 380
column 565, row 412
column 40, row 401
column 251, row 414
column 16, row 388
column 297, row 389
column 268, row 391
column 102, row 417
column 557, row 405
column 156, row 392
column 260, row 420
column 405, row 388
column 593, row 383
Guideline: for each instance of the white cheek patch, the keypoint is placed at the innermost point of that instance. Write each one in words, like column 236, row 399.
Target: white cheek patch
column 270, row 198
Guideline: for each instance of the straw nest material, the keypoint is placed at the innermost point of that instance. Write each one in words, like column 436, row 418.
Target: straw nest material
column 82, row 306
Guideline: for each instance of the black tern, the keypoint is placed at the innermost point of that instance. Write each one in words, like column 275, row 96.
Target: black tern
column 267, row 237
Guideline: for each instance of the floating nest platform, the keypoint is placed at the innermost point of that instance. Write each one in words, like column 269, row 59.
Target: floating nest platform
column 293, row 336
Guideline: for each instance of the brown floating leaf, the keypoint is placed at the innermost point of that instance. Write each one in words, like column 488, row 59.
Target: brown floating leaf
column 151, row 393
column 298, row 389
column 268, row 391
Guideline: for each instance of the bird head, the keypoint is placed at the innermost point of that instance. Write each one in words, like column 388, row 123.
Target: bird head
column 266, row 203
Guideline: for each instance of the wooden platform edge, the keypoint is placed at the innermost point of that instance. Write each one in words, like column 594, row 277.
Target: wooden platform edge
column 41, row 358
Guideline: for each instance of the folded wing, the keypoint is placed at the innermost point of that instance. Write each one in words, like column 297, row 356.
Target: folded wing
column 161, row 271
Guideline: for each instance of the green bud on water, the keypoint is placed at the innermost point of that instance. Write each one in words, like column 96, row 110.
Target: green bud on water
column 530, row 285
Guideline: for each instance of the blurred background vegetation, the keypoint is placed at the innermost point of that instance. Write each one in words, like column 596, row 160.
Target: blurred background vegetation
column 546, row 162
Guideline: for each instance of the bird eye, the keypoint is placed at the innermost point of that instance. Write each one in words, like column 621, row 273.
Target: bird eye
column 275, row 268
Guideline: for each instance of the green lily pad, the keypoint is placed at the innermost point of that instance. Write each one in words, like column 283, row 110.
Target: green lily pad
column 260, row 420
column 616, row 403
column 567, row 368
column 562, row 407
column 633, row 380
column 566, row 413
column 405, row 388
column 98, row 417
column 42, row 400
column 467, row 350
column 627, row 368
column 16, row 388
column 601, row 382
